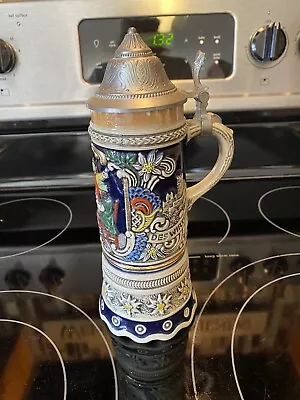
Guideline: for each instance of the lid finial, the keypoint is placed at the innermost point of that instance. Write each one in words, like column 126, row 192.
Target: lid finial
column 131, row 30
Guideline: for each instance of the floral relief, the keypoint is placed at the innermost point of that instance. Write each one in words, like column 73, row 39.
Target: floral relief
column 151, row 305
column 160, row 304
column 130, row 304
column 152, row 251
column 148, row 165
column 108, row 291
column 184, row 289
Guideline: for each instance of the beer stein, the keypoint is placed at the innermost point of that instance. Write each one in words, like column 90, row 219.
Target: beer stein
column 138, row 132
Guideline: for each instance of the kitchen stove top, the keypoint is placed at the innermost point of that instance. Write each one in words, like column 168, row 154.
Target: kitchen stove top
column 244, row 342
column 243, row 235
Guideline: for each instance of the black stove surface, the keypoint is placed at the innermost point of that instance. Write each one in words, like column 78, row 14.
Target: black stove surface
column 244, row 343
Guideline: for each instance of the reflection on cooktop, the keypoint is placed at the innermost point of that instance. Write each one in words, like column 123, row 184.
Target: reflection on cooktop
column 151, row 371
column 249, row 348
column 51, row 348
column 269, row 386
column 62, row 356
column 18, row 374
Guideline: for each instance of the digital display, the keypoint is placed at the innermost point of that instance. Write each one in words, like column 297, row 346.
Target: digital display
column 158, row 39
column 175, row 39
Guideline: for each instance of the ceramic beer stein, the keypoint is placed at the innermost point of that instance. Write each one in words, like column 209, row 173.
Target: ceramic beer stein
column 138, row 132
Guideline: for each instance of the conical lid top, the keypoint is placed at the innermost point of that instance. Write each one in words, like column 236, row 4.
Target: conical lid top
column 133, row 46
column 135, row 80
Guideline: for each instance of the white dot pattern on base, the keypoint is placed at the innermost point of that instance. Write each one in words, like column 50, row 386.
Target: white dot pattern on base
column 115, row 320
column 186, row 312
column 140, row 329
column 167, row 325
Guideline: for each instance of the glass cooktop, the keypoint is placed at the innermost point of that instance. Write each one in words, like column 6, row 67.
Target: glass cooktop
column 245, row 340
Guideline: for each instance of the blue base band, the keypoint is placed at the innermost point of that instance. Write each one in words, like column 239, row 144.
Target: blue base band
column 143, row 332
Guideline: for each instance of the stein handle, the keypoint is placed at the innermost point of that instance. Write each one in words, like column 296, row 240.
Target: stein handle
column 224, row 136
column 208, row 123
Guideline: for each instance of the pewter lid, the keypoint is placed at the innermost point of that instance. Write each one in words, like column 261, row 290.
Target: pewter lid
column 135, row 80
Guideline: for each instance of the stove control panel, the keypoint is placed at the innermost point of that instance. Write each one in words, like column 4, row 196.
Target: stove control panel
column 175, row 40
column 53, row 53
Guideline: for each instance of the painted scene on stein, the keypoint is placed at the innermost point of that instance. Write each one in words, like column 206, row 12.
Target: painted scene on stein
column 141, row 205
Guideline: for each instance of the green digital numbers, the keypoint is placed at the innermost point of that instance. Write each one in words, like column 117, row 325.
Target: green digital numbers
column 169, row 39
column 162, row 39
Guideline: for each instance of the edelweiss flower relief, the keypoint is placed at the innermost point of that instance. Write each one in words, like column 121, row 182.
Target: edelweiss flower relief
column 152, row 251
column 107, row 290
column 148, row 166
column 184, row 289
column 130, row 304
column 160, row 304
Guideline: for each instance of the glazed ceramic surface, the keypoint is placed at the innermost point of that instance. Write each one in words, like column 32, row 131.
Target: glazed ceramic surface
column 141, row 199
column 141, row 195
column 141, row 212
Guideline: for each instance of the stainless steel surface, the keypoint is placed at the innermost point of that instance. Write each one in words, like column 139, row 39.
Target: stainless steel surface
column 135, row 79
column 47, row 80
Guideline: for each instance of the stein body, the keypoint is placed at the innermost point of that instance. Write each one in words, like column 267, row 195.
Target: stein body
column 138, row 133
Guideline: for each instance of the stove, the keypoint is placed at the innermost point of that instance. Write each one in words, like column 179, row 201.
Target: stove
column 244, row 247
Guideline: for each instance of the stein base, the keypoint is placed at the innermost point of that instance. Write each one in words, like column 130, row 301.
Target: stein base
column 144, row 332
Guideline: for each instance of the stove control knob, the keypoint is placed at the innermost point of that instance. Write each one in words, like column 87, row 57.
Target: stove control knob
column 17, row 279
column 268, row 43
column 7, row 57
column 275, row 267
column 52, row 277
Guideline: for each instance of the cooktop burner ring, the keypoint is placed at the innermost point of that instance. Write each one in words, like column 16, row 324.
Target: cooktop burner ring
column 237, row 321
column 259, row 205
column 198, row 317
column 51, row 239
column 226, row 216
column 51, row 342
column 33, row 292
